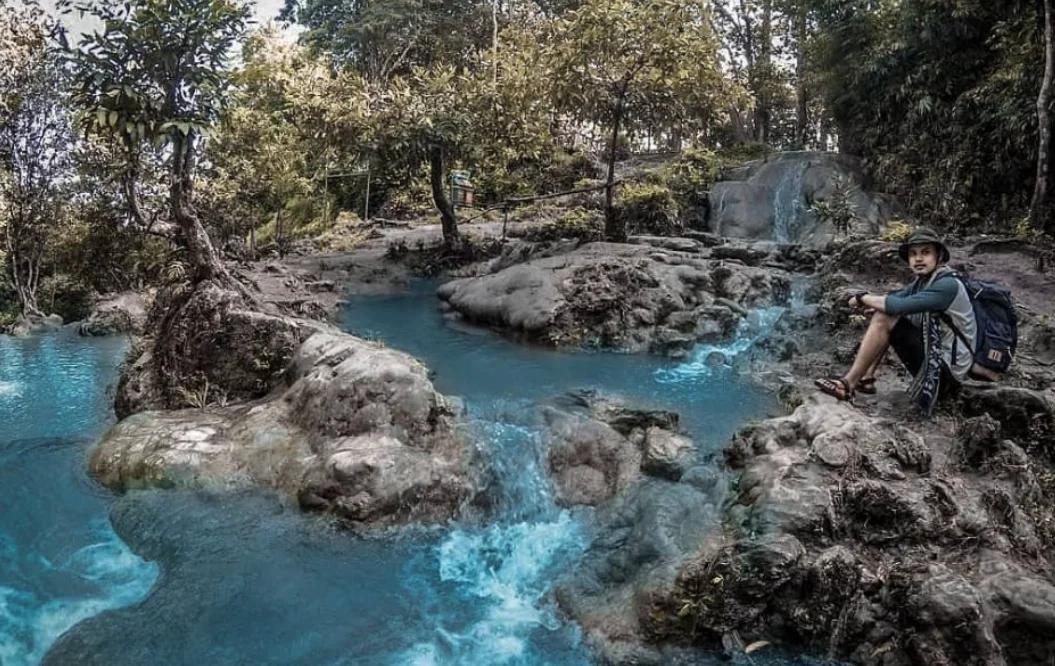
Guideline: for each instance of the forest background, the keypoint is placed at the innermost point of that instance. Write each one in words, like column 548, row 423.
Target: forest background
column 128, row 153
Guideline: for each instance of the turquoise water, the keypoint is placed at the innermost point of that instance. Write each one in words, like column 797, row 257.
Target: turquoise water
column 196, row 578
column 60, row 560
column 487, row 370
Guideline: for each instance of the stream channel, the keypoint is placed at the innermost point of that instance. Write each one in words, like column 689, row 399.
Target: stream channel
column 176, row 577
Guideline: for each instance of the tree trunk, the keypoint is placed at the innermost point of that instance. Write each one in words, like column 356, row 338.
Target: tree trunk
column 1040, row 207
column 203, row 262
column 801, row 100
column 613, row 227
column 439, row 196
column 24, row 272
column 764, row 75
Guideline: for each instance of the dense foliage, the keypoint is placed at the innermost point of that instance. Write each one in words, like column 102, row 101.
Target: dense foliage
column 941, row 98
column 182, row 152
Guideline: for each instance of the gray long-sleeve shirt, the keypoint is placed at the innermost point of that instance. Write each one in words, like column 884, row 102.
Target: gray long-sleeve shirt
column 935, row 296
column 942, row 293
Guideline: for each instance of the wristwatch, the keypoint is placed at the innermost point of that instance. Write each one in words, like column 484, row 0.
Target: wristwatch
column 859, row 296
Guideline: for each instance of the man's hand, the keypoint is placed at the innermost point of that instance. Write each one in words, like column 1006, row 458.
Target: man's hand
column 866, row 303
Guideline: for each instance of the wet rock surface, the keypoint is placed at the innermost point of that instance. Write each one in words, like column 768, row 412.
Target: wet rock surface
column 633, row 297
column 771, row 199
column 24, row 326
column 117, row 313
column 867, row 534
column 859, row 532
column 599, row 447
column 358, row 432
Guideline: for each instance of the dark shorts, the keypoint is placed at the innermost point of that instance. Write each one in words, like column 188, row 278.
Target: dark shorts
column 907, row 340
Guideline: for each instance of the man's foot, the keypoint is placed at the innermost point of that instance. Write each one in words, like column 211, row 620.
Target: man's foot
column 867, row 385
column 837, row 388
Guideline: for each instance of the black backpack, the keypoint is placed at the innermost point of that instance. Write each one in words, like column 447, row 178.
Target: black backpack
column 994, row 314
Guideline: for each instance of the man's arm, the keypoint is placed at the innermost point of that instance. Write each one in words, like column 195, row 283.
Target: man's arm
column 878, row 301
column 935, row 298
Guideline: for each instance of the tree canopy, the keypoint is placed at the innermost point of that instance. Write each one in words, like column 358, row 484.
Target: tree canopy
column 156, row 74
column 181, row 140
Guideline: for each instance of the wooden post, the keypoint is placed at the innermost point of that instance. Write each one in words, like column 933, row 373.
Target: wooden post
column 326, row 194
column 366, row 205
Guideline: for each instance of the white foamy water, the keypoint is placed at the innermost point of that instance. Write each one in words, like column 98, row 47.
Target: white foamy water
column 702, row 363
column 508, row 569
column 30, row 623
column 10, row 389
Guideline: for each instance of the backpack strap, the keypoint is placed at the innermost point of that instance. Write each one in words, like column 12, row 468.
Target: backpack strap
column 958, row 333
column 944, row 316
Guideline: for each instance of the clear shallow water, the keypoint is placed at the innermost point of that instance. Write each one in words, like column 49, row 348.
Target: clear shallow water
column 60, row 561
column 241, row 579
column 486, row 370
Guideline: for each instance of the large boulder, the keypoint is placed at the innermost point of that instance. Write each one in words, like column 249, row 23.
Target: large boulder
column 772, row 198
column 600, row 446
column 116, row 313
column 860, row 537
column 209, row 345
column 25, row 326
column 646, row 535
column 358, row 432
column 633, row 297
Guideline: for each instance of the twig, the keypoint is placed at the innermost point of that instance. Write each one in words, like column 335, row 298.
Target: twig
column 516, row 201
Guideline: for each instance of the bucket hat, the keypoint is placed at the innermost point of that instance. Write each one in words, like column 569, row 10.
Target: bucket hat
column 920, row 236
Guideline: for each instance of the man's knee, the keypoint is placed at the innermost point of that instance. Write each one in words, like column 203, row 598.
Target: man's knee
column 887, row 321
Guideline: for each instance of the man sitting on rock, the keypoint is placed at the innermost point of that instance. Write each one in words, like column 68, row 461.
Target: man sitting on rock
column 915, row 322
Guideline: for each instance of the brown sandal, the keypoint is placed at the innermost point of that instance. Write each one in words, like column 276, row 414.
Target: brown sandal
column 867, row 385
column 837, row 388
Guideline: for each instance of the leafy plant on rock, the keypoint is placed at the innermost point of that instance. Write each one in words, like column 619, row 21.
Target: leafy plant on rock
column 648, row 208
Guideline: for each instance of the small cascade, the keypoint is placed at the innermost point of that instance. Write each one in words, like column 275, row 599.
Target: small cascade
column 507, row 567
column 31, row 617
column 707, row 359
column 789, row 206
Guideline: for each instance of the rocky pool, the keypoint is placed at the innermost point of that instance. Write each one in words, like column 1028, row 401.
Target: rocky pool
column 190, row 577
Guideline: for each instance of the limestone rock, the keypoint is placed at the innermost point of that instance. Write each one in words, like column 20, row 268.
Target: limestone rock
column 25, row 326
column 359, row 433
column 119, row 313
column 589, row 460
column 667, row 455
column 772, row 198
column 627, row 296
column 645, row 536
column 215, row 348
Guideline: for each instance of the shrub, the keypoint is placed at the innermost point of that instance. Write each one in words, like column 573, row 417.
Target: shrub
column 557, row 171
column 593, row 200
column 10, row 308
column 838, row 208
column 1025, row 231
column 896, row 231
column 408, row 202
column 66, row 296
column 689, row 177
column 647, row 208
column 581, row 223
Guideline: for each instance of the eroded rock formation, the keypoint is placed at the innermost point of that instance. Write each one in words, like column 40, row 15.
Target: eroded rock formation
column 358, row 431
column 633, row 297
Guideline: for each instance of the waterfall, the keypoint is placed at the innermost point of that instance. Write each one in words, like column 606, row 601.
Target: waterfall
column 788, row 204
column 706, row 359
